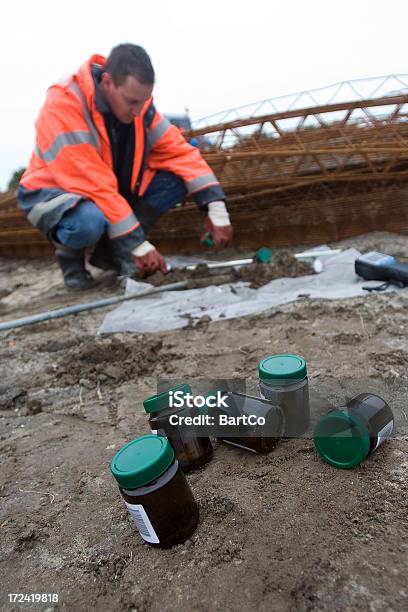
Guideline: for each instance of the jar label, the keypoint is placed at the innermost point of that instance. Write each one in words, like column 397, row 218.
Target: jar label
column 143, row 523
column 384, row 433
column 157, row 432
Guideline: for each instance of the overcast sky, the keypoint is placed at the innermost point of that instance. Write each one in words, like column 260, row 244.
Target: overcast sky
column 208, row 56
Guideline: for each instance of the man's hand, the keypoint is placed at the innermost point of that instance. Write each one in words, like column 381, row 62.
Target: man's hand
column 148, row 259
column 218, row 225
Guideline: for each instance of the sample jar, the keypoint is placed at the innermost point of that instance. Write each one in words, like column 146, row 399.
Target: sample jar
column 192, row 451
column 346, row 436
column 267, row 427
column 155, row 491
column 283, row 381
column 156, row 403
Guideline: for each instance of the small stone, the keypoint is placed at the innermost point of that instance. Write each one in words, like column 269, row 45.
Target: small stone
column 112, row 371
column 33, row 406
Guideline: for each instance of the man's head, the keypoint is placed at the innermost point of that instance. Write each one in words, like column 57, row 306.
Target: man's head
column 127, row 81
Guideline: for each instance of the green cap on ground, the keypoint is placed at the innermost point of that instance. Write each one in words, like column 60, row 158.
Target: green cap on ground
column 341, row 439
column 159, row 402
column 263, row 255
column 282, row 369
column 208, row 241
column 142, row 461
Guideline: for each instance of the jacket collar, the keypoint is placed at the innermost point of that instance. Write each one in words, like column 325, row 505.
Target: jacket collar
column 86, row 81
column 100, row 103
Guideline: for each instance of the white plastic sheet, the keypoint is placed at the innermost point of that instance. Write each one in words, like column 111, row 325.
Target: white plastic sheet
column 175, row 309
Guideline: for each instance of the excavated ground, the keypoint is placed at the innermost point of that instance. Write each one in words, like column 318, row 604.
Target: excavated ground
column 283, row 531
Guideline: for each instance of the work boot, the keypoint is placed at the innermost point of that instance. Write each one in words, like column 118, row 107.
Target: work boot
column 114, row 255
column 72, row 264
column 101, row 256
column 76, row 276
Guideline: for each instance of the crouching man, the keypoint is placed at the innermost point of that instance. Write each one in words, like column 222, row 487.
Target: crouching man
column 107, row 165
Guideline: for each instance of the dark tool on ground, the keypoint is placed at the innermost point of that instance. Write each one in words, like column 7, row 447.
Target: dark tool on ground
column 381, row 267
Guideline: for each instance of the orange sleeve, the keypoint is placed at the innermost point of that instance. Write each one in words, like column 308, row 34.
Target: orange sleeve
column 171, row 152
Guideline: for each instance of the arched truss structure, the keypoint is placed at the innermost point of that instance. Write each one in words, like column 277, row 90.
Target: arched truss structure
column 354, row 131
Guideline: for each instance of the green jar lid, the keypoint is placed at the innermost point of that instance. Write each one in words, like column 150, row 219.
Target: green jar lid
column 263, row 255
column 141, row 461
column 282, row 369
column 157, row 403
column 342, row 439
column 208, row 241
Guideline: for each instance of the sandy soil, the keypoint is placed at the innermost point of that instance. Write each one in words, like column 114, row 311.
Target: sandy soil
column 283, row 531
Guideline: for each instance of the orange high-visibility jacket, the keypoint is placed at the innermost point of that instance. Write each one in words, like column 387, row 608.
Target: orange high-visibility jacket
column 72, row 159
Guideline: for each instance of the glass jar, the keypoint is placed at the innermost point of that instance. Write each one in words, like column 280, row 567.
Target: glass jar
column 192, row 448
column 247, row 422
column 283, row 381
column 346, row 436
column 156, row 492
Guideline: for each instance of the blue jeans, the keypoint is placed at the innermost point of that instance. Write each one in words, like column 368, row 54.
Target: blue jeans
column 83, row 225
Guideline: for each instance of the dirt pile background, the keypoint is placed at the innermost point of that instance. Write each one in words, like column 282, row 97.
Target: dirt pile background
column 283, row 531
column 283, row 264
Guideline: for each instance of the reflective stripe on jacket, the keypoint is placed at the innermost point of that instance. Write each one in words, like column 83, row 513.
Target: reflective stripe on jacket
column 72, row 159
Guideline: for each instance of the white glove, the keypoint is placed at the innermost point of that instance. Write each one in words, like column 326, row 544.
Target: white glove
column 143, row 249
column 218, row 214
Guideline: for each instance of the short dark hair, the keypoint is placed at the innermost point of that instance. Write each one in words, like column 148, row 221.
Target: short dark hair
column 128, row 59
